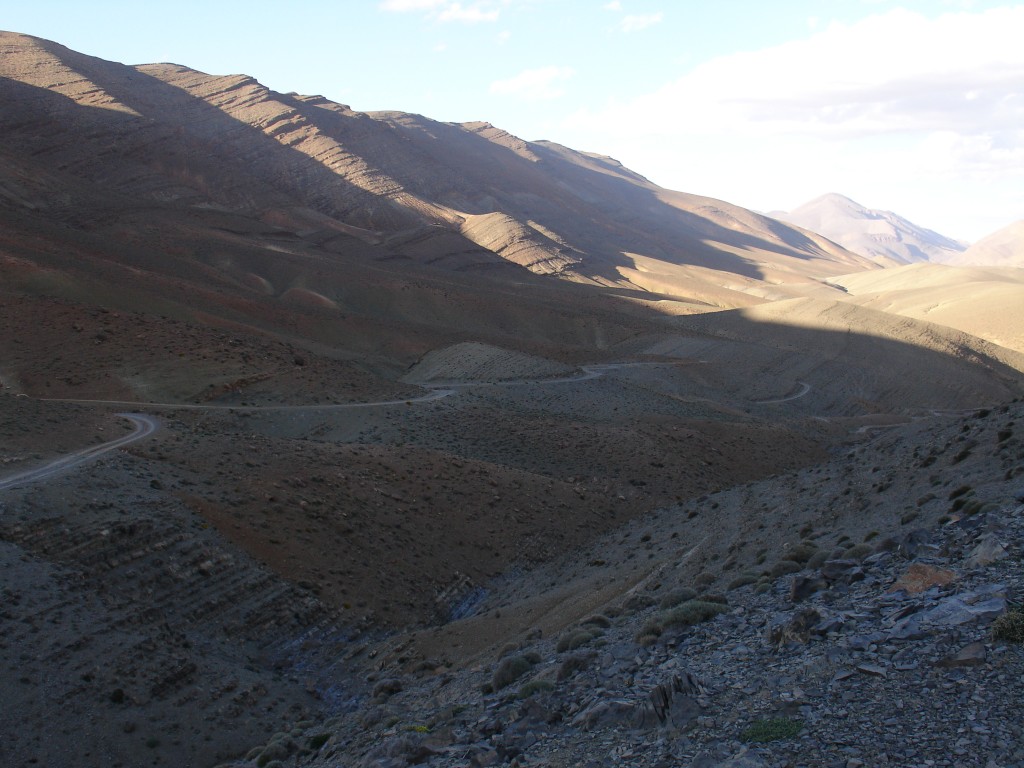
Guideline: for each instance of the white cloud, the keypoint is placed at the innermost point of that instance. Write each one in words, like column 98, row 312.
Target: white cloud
column 471, row 14
column 614, row 5
column 404, row 6
column 633, row 23
column 896, row 97
column 447, row 10
column 893, row 72
column 541, row 84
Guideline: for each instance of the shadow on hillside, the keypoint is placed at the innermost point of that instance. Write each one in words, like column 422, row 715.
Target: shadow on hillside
column 895, row 366
column 603, row 213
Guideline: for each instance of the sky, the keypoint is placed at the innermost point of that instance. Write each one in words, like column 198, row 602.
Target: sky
column 914, row 106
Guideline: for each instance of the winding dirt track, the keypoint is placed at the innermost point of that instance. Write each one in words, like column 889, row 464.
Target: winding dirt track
column 804, row 389
column 144, row 426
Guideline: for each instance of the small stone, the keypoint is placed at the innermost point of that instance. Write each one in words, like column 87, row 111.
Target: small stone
column 872, row 669
column 972, row 655
column 920, row 577
column 988, row 551
column 803, row 587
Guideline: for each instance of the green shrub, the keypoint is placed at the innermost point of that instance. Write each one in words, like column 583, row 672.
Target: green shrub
column 771, row 729
column 704, row 579
column 958, row 492
column 1009, row 627
column 801, row 553
column 637, row 603
column 575, row 663
column 509, row 670
column 677, row 596
column 570, row 641
column 691, row 612
column 317, row 741
column 859, row 551
column 741, row 581
column 818, row 559
column 713, row 598
column 783, row 568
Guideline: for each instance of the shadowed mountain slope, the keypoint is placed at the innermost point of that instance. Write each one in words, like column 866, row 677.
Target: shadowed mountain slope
column 165, row 132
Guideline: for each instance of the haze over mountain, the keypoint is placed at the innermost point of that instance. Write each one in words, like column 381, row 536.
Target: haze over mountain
column 881, row 235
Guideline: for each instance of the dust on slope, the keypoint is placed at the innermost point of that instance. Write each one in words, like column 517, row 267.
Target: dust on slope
column 983, row 302
column 857, row 360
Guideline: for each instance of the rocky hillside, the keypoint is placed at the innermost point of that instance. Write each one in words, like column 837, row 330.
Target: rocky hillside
column 862, row 612
column 309, row 166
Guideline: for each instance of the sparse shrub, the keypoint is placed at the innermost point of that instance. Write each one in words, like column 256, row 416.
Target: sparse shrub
column 677, row 596
column 714, row 597
column 1009, row 627
column 741, row 581
column 869, row 536
column 818, row 559
column 318, row 740
column 646, row 639
column 761, row 558
column 690, row 613
column 533, row 687
column 509, row 670
column 958, row 492
column 888, row 544
column 637, row 603
column 1003, row 435
column 532, row 656
column 275, row 750
column 762, row 587
column 783, row 568
column 597, row 620
column 908, row 518
column 573, row 664
column 507, row 650
column 771, row 729
column 704, row 579
column 801, row 553
column 387, row 688
column 961, row 455
column 859, row 551
column 570, row 641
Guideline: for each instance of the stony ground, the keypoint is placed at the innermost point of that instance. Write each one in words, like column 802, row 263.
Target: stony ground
column 235, row 576
column 871, row 635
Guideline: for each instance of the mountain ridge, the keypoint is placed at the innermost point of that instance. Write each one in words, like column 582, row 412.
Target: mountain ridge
column 883, row 235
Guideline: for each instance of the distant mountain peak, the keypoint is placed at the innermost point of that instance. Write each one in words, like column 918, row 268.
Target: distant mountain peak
column 878, row 234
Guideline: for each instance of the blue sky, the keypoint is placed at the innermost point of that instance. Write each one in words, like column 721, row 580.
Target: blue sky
column 917, row 107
